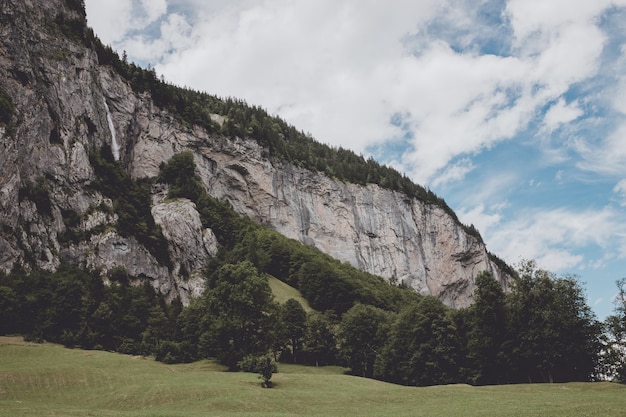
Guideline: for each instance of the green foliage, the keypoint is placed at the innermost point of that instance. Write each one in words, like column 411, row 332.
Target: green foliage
column 77, row 6
column 362, row 334
column 240, row 315
column 263, row 365
column 542, row 331
column 613, row 359
column 320, row 340
column 293, row 326
column 75, row 308
column 422, row 346
column 73, row 29
column 9, row 307
column 488, row 331
column 179, row 172
column 553, row 333
column 326, row 283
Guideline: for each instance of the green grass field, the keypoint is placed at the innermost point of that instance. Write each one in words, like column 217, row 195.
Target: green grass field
column 49, row 380
column 283, row 292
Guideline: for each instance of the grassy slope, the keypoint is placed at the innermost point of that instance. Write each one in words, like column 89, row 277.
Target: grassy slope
column 48, row 380
column 284, row 292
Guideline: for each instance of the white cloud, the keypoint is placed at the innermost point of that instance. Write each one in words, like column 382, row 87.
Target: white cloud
column 320, row 66
column 114, row 19
column 605, row 155
column 557, row 238
column 154, row 9
column 340, row 71
column 175, row 30
column 491, row 191
column 110, row 20
column 559, row 176
column 537, row 22
column 454, row 172
column 483, row 219
column 561, row 113
column 619, row 99
column 620, row 190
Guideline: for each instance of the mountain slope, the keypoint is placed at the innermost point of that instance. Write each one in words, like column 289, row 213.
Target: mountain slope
column 84, row 141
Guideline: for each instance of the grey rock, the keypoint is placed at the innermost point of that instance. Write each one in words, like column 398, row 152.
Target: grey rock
column 190, row 245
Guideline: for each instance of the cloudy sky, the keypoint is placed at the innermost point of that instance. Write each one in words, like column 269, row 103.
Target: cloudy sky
column 513, row 111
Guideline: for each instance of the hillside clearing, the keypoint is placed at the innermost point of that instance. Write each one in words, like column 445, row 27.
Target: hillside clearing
column 49, row 380
column 284, row 292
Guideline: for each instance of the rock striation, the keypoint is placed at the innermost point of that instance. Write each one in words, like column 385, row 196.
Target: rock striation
column 66, row 105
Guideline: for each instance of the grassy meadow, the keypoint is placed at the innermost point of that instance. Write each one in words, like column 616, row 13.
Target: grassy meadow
column 283, row 292
column 49, row 380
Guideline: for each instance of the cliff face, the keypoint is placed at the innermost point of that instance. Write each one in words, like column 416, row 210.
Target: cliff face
column 66, row 104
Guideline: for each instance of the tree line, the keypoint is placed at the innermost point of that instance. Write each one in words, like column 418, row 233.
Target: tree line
column 540, row 331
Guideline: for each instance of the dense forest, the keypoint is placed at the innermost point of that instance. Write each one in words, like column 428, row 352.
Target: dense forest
column 541, row 331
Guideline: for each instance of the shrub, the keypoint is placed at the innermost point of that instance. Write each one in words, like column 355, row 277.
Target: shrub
column 263, row 365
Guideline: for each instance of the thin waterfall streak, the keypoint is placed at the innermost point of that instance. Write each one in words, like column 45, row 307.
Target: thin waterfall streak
column 115, row 147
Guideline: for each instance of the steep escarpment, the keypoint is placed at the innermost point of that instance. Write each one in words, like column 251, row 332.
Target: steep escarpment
column 52, row 209
column 66, row 107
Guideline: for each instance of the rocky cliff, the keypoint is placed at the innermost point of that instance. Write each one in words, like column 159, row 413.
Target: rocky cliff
column 63, row 105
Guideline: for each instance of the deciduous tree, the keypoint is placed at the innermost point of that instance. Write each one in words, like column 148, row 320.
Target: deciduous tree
column 555, row 336
column 243, row 312
column 422, row 346
column 294, row 326
column 362, row 334
column 488, row 331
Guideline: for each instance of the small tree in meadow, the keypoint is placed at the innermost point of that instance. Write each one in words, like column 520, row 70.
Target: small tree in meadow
column 263, row 365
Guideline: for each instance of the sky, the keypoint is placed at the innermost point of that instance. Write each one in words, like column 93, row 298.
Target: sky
column 512, row 111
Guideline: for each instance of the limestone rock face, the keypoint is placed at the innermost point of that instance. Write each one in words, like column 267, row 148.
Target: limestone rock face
column 380, row 231
column 67, row 105
column 190, row 245
column 60, row 95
